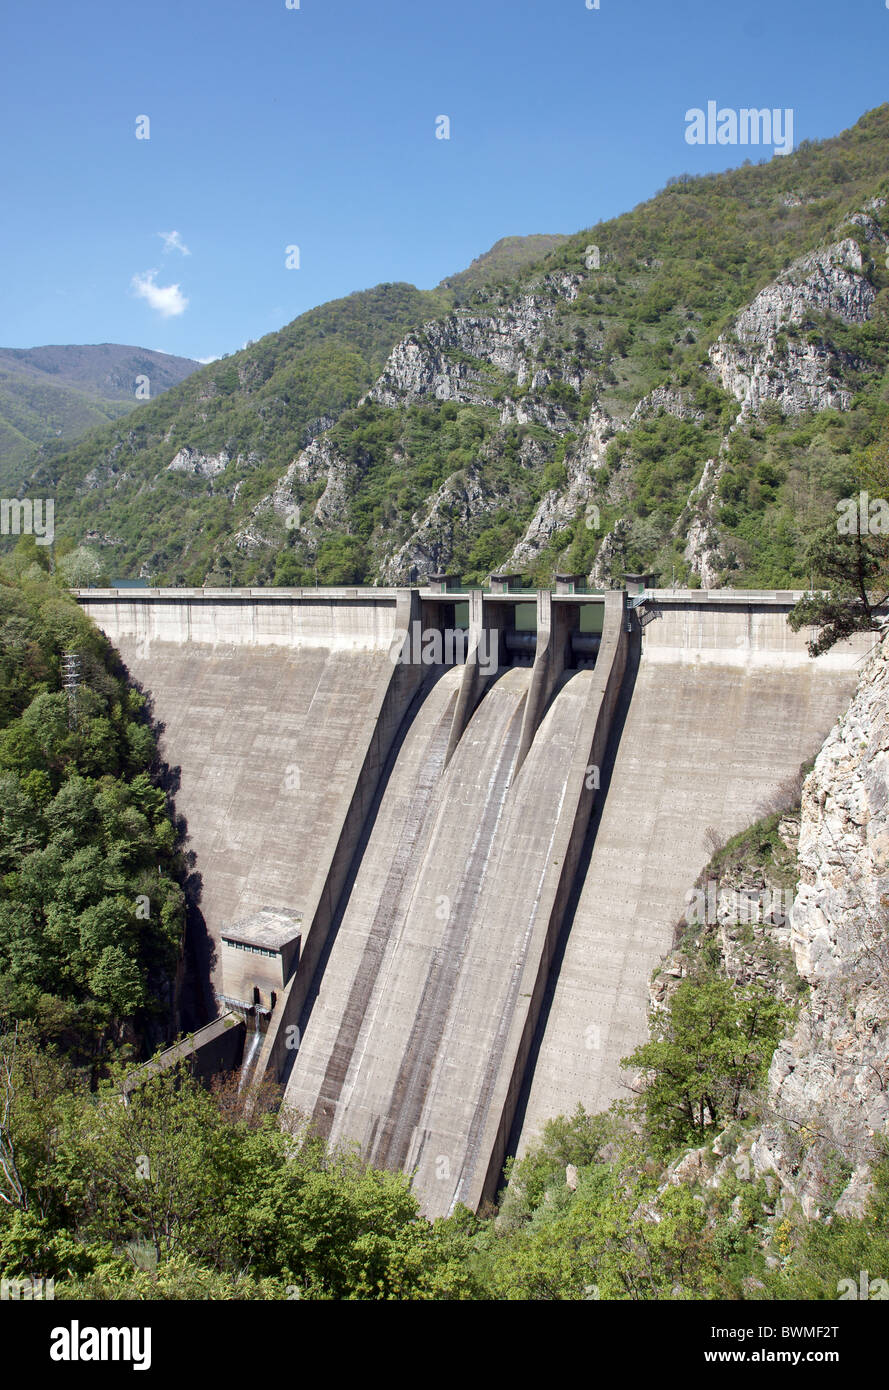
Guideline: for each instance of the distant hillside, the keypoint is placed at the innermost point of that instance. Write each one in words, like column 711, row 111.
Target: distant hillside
column 507, row 258
column 61, row 392
column 245, row 416
column 690, row 399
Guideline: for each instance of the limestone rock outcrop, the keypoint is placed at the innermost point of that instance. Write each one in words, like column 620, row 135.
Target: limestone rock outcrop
column 826, row 1105
column 829, row 1082
column 188, row 460
column 501, row 358
column 447, row 360
column 758, row 361
column 559, row 506
column 459, row 501
column 319, row 461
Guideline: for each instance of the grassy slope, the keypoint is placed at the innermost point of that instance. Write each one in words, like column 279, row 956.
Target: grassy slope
column 508, row 257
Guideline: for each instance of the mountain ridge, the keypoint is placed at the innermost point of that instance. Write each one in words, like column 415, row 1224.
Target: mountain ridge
column 62, row 390
column 399, row 429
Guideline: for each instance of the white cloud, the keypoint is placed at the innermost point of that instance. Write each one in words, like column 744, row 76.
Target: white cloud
column 174, row 242
column 205, row 360
column 168, row 300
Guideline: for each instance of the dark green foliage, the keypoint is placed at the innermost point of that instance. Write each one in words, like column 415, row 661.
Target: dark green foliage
column 781, row 488
column 851, row 557
column 707, row 1052
column 855, row 570
column 169, row 1196
column 260, row 406
column 622, row 1233
column 91, row 916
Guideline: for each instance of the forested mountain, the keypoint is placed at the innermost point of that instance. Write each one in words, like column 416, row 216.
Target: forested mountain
column 240, row 417
column 49, row 393
column 712, row 1180
column 685, row 388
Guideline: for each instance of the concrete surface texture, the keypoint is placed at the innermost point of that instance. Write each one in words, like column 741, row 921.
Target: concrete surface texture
column 334, row 619
column 414, row 1046
column 269, row 743
column 372, row 1042
column 498, row 962
column 725, row 707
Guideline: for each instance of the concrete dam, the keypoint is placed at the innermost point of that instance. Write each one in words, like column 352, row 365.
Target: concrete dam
column 438, row 873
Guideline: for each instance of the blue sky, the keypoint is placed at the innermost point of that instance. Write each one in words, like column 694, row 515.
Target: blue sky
column 272, row 127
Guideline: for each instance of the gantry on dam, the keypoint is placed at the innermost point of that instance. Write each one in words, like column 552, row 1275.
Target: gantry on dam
column 449, row 881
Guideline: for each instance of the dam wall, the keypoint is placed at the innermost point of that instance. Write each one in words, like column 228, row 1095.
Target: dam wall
column 485, row 865
column 721, row 706
column 335, row 619
column 564, row 752
column 735, row 628
column 276, row 712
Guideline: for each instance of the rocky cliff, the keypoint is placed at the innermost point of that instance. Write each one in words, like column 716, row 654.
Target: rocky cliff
column 758, row 361
column 504, row 362
column 829, row 1082
column 826, row 1106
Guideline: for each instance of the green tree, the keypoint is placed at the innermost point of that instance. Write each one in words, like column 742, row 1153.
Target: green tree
column 83, row 567
column 852, row 557
column 84, row 832
column 708, row 1049
column 854, row 566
